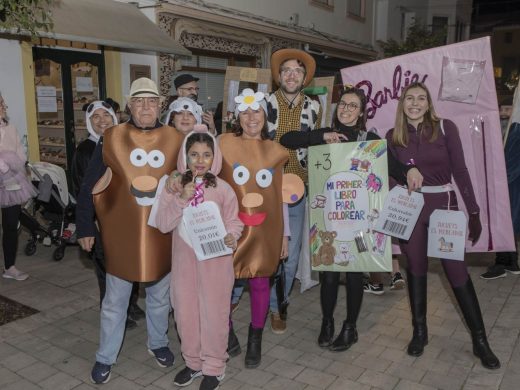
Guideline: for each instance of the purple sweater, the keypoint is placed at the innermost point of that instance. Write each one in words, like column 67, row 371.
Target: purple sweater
column 437, row 161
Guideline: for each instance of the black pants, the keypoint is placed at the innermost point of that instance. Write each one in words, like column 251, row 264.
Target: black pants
column 10, row 219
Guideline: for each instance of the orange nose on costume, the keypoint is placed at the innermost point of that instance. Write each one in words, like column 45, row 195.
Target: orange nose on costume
column 252, row 200
column 144, row 189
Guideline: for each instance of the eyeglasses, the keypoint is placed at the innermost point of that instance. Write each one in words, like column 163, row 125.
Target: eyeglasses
column 191, row 89
column 92, row 105
column 294, row 71
column 140, row 101
column 349, row 106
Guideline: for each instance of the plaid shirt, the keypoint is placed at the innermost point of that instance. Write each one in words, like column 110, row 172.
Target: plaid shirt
column 289, row 119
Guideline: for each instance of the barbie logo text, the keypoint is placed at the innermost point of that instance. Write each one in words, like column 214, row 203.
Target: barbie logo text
column 376, row 99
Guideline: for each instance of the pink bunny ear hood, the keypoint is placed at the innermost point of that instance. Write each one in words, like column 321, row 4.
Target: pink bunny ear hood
column 216, row 166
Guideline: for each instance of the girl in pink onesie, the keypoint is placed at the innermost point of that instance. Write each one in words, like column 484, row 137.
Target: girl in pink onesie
column 200, row 290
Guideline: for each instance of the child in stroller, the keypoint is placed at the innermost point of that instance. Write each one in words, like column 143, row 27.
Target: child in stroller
column 49, row 217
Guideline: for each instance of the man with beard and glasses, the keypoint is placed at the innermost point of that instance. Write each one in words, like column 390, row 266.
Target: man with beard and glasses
column 290, row 109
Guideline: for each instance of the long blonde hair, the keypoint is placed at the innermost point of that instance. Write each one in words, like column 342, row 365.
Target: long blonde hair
column 400, row 134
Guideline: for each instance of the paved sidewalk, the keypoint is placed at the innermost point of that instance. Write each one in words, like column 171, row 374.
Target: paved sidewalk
column 55, row 348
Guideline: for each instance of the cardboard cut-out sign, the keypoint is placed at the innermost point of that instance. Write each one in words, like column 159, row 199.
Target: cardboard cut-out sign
column 472, row 107
column 325, row 99
column 235, row 75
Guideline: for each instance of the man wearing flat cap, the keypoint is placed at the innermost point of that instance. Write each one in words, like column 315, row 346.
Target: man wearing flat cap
column 186, row 86
column 290, row 109
column 119, row 188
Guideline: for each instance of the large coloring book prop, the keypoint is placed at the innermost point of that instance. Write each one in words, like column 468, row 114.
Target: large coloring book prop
column 348, row 184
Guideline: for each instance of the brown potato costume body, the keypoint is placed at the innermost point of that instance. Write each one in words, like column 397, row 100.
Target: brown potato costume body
column 254, row 169
column 136, row 160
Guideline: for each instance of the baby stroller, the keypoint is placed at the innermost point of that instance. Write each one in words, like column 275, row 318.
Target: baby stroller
column 49, row 217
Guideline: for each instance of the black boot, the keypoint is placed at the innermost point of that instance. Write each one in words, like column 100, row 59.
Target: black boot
column 233, row 346
column 346, row 337
column 348, row 334
column 327, row 332
column 470, row 308
column 328, row 298
column 254, row 347
column 417, row 295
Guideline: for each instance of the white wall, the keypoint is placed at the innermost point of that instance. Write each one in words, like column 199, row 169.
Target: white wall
column 138, row 59
column 333, row 22
column 11, row 83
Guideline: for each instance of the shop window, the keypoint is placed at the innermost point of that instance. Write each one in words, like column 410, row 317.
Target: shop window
column 327, row 4
column 356, row 9
column 440, row 26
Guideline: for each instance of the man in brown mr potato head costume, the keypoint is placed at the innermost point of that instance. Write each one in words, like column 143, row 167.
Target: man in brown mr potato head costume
column 121, row 181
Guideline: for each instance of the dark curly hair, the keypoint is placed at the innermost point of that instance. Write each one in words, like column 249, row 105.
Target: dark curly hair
column 209, row 179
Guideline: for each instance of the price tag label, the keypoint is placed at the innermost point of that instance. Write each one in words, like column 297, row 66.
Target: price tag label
column 447, row 234
column 400, row 212
column 204, row 227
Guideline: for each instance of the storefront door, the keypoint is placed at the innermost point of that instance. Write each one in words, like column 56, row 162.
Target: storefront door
column 65, row 81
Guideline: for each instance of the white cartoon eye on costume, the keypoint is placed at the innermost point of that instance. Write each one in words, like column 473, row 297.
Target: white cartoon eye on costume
column 156, row 158
column 139, row 158
column 240, row 175
column 250, row 99
column 264, row 177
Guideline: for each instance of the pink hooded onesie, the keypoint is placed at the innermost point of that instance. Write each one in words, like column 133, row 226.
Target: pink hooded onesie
column 200, row 290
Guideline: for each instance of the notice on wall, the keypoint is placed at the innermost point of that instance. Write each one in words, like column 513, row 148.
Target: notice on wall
column 45, row 91
column 46, row 98
column 84, row 84
column 47, row 104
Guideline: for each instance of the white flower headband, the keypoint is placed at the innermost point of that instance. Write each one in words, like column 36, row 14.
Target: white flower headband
column 249, row 99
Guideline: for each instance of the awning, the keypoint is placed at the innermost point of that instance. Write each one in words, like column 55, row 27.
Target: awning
column 109, row 23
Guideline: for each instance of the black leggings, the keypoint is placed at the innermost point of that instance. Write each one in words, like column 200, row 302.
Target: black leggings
column 329, row 294
column 10, row 219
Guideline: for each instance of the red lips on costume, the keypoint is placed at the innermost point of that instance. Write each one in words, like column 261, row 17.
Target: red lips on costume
column 252, row 220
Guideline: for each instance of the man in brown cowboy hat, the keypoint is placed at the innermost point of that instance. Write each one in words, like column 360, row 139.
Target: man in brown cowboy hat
column 290, row 109
column 120, row 184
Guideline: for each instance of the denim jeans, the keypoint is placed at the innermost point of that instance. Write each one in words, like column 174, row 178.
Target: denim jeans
column 296, row 220
column 114, row 312
column 238, row 290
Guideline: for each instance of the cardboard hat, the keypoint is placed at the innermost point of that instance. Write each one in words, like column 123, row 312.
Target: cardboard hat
column 143, row 87
column 280, row 56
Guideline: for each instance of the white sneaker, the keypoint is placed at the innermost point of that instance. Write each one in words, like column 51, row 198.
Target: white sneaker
column 14, row 273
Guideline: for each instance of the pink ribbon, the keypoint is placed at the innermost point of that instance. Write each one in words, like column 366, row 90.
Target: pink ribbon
column 198, row 196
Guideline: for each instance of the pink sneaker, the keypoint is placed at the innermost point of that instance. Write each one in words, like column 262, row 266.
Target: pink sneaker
column 14, row 273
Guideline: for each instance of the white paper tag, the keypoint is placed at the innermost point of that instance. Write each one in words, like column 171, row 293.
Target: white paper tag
column 447, row 234
column 400, row 212
column 206, row 230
